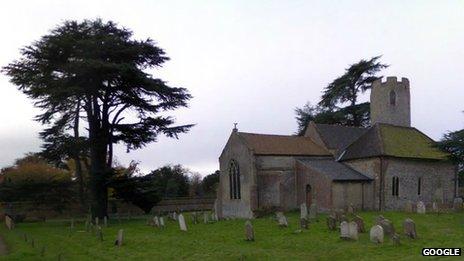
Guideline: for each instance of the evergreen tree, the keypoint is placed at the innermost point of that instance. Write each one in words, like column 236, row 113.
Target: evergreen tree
column 97, row 68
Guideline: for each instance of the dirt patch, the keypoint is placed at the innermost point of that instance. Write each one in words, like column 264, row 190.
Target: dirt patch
column 3, row 249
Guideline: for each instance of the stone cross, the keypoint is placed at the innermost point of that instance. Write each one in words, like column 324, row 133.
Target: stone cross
column 409, row 228
column 332, row 222
column 120, row 238
column 303, row 211
column 376, row 234
column 9, row 222
column 360, row 222
column 420, row 207
column 249, row 232
column 182, row 224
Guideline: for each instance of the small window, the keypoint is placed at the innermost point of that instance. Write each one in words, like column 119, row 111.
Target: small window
column 392, row 98
column 234, row 180
column 419, row 185
column 395, row 186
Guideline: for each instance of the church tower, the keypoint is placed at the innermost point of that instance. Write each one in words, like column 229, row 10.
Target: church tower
column 391, row 102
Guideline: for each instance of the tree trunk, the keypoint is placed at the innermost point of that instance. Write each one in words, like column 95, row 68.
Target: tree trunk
column 98, row 177
column 76, row 158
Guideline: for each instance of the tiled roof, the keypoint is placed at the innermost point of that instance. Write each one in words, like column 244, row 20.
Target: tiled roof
column 394, row 141
column 334, row 170
column 337, row 136
column 265, row 144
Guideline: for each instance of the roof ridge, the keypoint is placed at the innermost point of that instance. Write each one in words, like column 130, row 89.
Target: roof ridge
column 278, row 135
column 341, row 125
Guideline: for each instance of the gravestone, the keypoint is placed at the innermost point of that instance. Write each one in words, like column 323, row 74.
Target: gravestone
column 175, row 216
column 9, row 222
column 409, row 228
column 331, row 222
column 435, row 208
column 409, row 207
column 420, row 207
column 344, row 230
column 249, row 232
column 99, row 233
column 313, row 211
column 396, row 239
column 388, row 228
column 376, row 234
column 120, row 238
column 350, row 209
column 161, row 222
column 205, row 218
column 182, row 224
column 156, row 221
column 353, row 230
column 96, row 221
column 379, row 219
column 303, row 211
column 282, row 219
column 360, row 222
column 303, row 223
column 194, row 217
column 457, row 204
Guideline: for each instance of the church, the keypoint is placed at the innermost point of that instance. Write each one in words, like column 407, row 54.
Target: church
column 377, row 168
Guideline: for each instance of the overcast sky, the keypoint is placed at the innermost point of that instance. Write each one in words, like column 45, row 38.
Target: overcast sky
column 253, row 62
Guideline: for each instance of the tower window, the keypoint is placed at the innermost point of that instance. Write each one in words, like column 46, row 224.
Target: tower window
column 234, row 180
column 419, row 185
column 392, row 97
column 395, row 186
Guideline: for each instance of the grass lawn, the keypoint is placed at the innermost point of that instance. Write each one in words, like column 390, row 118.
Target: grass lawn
column 224, row 240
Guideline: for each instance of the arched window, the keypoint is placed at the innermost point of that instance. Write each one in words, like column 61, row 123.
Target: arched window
column 234, row 180
column 392, row 97
column 419, row 185
column 395, row 186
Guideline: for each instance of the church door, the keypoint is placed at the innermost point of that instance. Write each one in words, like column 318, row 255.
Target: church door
column 308, row 195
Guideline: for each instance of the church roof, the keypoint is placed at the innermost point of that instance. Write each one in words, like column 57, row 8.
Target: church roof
column 393, row 141
column 337, row 136
column 265, row 144
column 334, row 170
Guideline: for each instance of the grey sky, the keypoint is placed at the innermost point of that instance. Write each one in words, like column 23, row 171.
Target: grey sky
column 253, row 62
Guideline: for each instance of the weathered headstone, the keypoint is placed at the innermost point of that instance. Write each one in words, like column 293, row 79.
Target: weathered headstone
column 350, row 209
column 249, row 232
column 313, row 211
column 360, row 222
column 99, row 233
column 9, row 222
column 161, row 222
column 156, row 221
column 205, row 218
column 409, row 228
column 379, row 219
column 120, row 238
column 396, row 239
column 388, row 227
column 331, row 222
column 303, row 211
column 420, row 207
column 182, row 224
column 376, row 234
column 282, row 219
column 457, row 204
column 344, row 230
column 194, row 217
column 175, row 216
column 303, row 223
column 409, row 206
column 353, row 230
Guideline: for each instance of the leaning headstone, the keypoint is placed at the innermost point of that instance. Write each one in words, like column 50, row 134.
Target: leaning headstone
column 120, row 238
column 182, row 224
column 344, row 230
column 360, row 222
column 409, row 228
column 249, row 232
column 303, row 223
column 396, row 239
column 457, row 204
column 332, row 222
column 376, row 234
column 420, row 207
column 313, row 211
column 388, row 227
column 282, row 219
column 303, row 211
column 408, row 207
column 379, row 219
column 205, row 218
column 9, row 222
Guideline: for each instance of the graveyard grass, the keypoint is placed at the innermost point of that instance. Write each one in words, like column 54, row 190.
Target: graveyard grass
column 225, row 240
